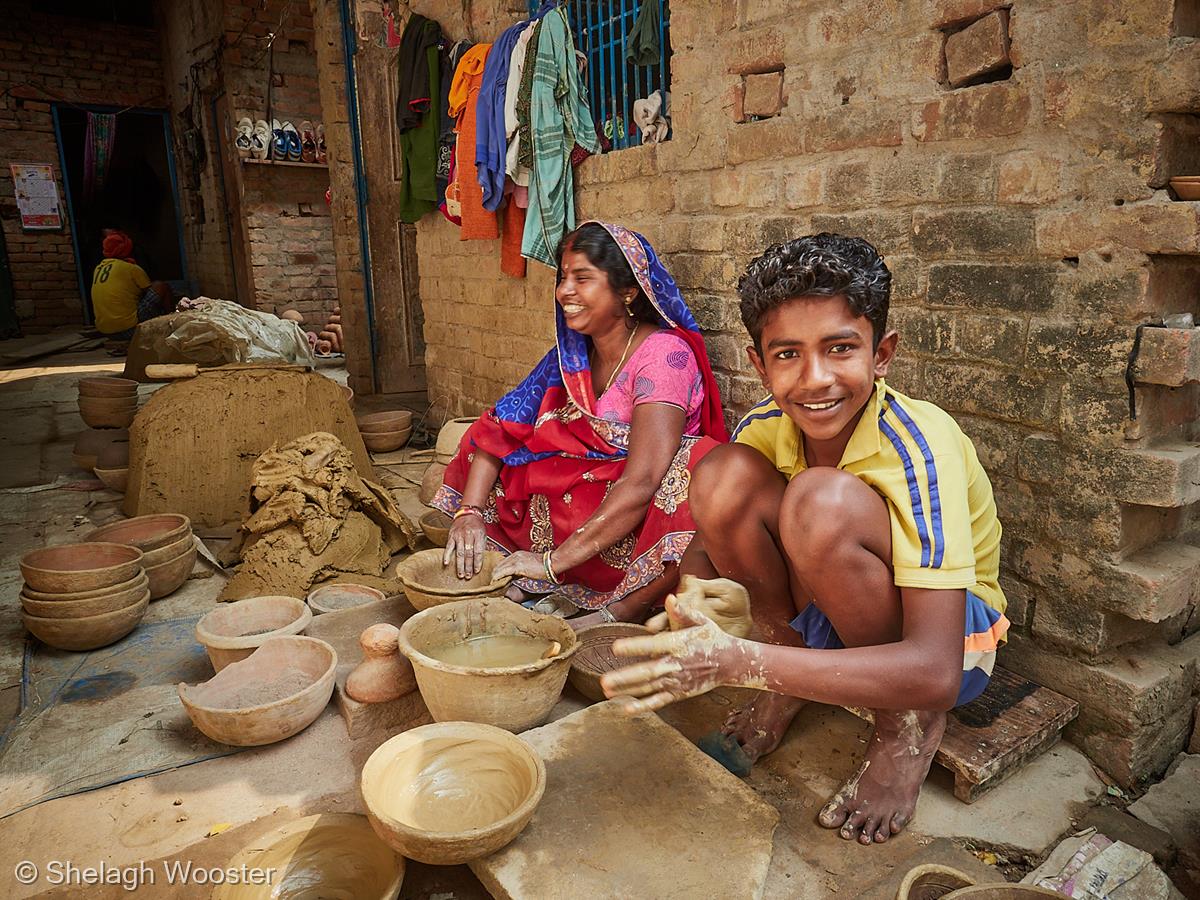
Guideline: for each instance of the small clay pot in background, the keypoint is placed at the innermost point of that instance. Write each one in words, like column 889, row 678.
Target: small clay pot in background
column 383, row 674
column 430, row 482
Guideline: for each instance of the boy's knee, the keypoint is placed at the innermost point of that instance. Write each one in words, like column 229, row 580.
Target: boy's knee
column 727, row 480
column 824, row 508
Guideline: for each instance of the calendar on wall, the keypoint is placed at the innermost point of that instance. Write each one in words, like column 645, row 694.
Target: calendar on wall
column 37, row 197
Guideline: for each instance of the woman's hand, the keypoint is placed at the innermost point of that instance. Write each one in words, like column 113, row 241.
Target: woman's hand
column 521, row 564
column 466, row 545
column 691, row 661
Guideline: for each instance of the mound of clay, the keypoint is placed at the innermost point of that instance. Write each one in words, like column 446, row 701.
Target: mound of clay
column 148, row 346
column 312, row 517
column 193, row 445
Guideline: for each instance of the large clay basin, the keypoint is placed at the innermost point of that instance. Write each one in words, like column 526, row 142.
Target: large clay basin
column 135, row 581
column 89, row 606
column 510, row 697
column 394, row 420
column 119, row 388
column 428, row 583
column 436, row 525
column 144, row 532
column 233, row 631
column 386, row 441
column 449, row 437
column 89, row 632
column 166, row 577
column 80, row 567
column 448, row 793
column 332, row 597
column 327, row 855
column 275, row 692
column 595, row 656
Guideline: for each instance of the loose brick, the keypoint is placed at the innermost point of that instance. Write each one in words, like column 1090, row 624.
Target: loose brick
column 980, row 48
column 1169, row 356
column 763, row 95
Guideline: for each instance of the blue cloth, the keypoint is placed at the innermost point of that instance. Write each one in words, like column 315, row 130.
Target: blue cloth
column 491, row 140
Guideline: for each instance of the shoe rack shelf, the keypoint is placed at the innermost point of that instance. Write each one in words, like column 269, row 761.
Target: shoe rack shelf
column 284, row 162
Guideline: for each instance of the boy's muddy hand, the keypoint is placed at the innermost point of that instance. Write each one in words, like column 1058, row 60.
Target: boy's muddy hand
column 692, row 659
column 724, row 601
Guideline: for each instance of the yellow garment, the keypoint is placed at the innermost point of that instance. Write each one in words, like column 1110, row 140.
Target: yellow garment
column 945, row 533
column 117, row 287
column 469, row 67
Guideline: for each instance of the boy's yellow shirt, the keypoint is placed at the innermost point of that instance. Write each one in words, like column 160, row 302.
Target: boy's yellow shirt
column 945, row 533
column 117, row 287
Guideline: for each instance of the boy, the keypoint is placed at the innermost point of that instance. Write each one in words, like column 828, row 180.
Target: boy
column 122, row 293
column 863, row 527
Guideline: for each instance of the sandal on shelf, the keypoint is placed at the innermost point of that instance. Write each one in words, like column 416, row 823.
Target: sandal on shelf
column 322, row 153
column 293, row 142
column 245, row 128
column 279, row 141
column 308, row 142
column 260, row 140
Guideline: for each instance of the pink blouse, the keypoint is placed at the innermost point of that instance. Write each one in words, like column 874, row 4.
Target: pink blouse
column 662, row 370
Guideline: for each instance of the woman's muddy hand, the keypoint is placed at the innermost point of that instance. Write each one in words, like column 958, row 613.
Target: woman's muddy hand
column 691, row 660
column 465, row 545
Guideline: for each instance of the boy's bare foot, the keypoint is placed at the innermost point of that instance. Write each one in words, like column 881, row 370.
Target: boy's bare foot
column 761, row 724
column 880, row 799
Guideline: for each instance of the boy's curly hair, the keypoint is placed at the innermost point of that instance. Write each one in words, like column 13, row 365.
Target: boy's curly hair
column 818, row 265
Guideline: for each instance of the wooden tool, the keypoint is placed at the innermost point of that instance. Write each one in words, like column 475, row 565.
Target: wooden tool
column 174, row 371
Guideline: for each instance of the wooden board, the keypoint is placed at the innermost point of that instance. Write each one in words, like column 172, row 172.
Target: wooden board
column 992, row 737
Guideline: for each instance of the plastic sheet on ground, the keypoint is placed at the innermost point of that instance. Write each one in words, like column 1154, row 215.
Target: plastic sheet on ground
column 220, row 331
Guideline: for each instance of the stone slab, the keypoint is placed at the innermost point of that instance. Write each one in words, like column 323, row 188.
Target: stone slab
column 633, row 809
column 1120, row 826
column 1174, row 806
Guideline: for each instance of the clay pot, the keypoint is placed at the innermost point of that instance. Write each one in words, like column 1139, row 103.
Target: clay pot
column 386, row 441
column 65, row 596
column 104, row 412
column 510, row 697
column 92, row 442
column 428, row 583
column 1002, row 891
column 114, row 455
column 113, row 479
column 80, row 567
column 234, row 631
column 144, row 532
column 430, row 482
column 166, row 577
column 1185, row 188
column 112, row 387
column 436, row 525
column 595, row 656
column 173, row 550
column 383, row 674
column 275, row 692
column 516, row 783
column 330, row 855
column 332, row 597
column 93, row 606
column 87, row 632
column 394, row 420
column 449, row 438
column 931, row 881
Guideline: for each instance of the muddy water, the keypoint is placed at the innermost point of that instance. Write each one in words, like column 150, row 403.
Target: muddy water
column 492, row 651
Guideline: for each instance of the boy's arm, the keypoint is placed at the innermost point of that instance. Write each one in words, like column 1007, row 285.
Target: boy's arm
column 923, row 670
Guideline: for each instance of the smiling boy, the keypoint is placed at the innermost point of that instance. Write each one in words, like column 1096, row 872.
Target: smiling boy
column 863, row 527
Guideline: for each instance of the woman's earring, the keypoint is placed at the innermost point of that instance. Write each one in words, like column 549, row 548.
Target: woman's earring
column 629, row 306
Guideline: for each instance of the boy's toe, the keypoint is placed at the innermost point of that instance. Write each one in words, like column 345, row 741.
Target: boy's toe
column 833, row 815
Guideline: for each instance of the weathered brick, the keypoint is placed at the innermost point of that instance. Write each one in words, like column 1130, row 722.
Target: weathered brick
column 1028, row 177
column 802, row 189
column 1094, row 351
column 947, row 13
column 1002, row 395
column 1027, row 288
column 1153, row 227
column 993, row 339
column 978, row 49
column 973, row 232
column 966, row 177
column 763, row 95
column 851, row 127
column 923, row 331
column 1169, row 356
column 990, row 110
column 888, row 231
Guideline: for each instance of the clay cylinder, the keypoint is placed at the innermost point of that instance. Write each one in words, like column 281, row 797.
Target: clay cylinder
column 383, row 674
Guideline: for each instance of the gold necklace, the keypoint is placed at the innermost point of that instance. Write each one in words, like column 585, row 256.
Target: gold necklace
column 620, row 362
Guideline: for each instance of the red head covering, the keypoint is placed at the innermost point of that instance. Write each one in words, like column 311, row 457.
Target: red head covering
column 117, row 245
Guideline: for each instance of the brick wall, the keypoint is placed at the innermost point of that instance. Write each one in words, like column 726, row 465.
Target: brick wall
column 45, row 58
column 1012, row 167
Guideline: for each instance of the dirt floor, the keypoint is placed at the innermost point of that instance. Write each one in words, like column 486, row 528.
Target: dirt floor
column 205, row 811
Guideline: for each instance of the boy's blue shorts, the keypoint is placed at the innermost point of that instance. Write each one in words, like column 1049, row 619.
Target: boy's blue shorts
column 819, row 634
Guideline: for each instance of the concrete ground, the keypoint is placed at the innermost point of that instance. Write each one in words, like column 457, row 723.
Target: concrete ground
column 172, row 814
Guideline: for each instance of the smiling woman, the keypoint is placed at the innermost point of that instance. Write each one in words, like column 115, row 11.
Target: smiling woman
column 580, row 474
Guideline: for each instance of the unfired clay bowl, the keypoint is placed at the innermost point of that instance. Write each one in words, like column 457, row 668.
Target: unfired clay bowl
column 114, row 455
column 428, row 583
column 118, row 388
column 144, row 532
column 595, row 656
column 395, row 420
column 235, row 630
column 113, row 479
column 332, row 597
column 136, row 581
column 80, row 567
column 88, row 632
column 90, row 606
column 510, row 697
column 275, row 692
column 436, row 525
column 386, row 441
column 327, row 855
column 106, row 412
column 160, row 555
column 92, row 444
column 451, row 792
column 166, row 577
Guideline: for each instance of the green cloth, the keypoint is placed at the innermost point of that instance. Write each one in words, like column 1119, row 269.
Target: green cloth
column 418, row 149
column 559, row 118
column 525, row 99
column 642, row 47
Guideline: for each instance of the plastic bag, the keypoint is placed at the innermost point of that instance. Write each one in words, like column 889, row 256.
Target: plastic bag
column 223, row 332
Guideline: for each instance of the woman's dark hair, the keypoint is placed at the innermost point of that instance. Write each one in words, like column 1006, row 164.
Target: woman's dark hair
column 819, row 265
column 594, row 242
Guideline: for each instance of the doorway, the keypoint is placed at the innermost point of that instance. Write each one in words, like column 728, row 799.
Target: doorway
column 135, row 192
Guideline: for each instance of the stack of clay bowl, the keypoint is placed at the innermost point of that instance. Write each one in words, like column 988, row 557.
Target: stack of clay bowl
column 385, row 431
column 83, row 596
column 112, row 464
column 429, row 583
column 108, row 402
column 166, row 540
column 93, row 441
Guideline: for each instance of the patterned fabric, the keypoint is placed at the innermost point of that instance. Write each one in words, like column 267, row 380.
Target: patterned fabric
column 98, row 147
column 662, row 370
column 562, row 455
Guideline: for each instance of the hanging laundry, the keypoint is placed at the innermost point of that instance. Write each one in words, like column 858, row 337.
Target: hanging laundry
column 652, row 117
column 417, row 118
column 98, row 147
column 446, row 136
column 491, row 144
column 512, row 165
column 525, row 101
column 559, row 118
column 642, row 47
column 477, row 223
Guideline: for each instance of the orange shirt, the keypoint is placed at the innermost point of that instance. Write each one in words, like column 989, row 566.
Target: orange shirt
column 478, row 224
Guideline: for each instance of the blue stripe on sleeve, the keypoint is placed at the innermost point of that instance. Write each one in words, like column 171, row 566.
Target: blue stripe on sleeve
column 935, row 500
column 914, row 489
column 771, row 414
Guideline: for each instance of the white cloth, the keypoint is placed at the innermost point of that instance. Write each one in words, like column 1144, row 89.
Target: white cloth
column 651, row 115
column 516, row 66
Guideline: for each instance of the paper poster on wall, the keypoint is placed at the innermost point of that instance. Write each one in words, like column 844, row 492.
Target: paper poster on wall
column 37, row 197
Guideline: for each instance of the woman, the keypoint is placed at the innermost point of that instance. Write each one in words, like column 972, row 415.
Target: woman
column 580, row 475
